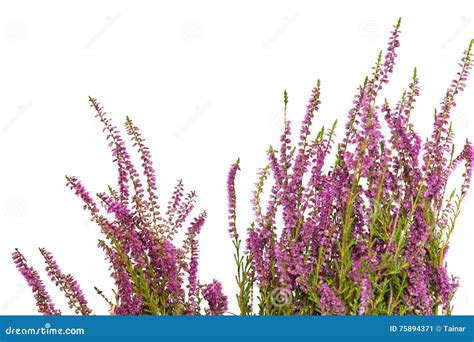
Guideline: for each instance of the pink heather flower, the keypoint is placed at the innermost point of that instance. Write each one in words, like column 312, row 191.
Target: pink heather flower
column 165, row 262
column 119, row 151
column 74, row 184
column 255, row 245
column 365, row 296
column 216, row 300
column 182, row 213
column 43, row 300
column 283, row 263
column 469, row 158
column 192, row 241
column 446, row 287
column 67, row 284
column 127, row 304
column 83, row 194
column 174, row 203
column 231, row 200
column 286, row 152
column 419, row 297
column 440, row 142
column 125, row 231
column 389, row 61
column 330, row 303
column 256, row 206
column 148, row 171
column 276, row 168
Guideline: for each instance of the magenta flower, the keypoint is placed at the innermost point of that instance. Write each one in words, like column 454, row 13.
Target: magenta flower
column 330, row 303
column 216, row 300
column 67, row 284
column 43, row 300
column 231, row 200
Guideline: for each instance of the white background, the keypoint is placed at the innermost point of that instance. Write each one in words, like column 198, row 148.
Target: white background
column 204, row 81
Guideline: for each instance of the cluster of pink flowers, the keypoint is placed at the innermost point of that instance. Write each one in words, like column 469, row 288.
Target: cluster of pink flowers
column 368, row 233
column 65, row 282
column 153, row 276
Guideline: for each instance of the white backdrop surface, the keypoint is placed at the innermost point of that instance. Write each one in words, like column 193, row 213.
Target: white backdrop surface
column 204, row 81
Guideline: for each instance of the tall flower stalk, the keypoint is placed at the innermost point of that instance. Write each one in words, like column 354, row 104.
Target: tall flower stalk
column 244, row 276
column 368, row 233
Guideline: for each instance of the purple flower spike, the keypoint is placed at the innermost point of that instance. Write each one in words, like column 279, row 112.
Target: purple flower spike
column 231, row 199
column 67, row 284
column 217, row 301
column 43, row 300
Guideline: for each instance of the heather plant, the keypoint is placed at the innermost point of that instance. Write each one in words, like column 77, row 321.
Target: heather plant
column 361, row 227
column 152, row 274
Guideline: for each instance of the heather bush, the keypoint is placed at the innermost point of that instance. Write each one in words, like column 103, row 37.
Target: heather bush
column 360, row 227
column 153, row 276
